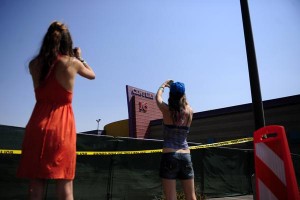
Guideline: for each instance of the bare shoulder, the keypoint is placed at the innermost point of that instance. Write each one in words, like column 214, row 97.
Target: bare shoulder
column 33, row 63
column 67, row 63
column 190, row 109
column 161, row 104
column 65, row 60
column 35, row 70
column 34, row 66
column 72, row 61
column 164, row 107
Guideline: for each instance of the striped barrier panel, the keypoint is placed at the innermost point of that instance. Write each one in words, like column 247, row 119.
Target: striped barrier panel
column 274, row 172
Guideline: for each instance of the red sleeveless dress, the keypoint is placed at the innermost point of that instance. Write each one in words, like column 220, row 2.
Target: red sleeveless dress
column 49, row 145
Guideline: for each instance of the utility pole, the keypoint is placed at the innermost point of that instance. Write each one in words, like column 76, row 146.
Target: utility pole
column 257, row 104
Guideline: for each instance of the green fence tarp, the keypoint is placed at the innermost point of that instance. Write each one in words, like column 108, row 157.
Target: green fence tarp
column 219, row 171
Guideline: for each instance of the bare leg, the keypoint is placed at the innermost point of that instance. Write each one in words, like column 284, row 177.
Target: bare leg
column 37, row 189
column 169, row 187
column 64, row 189
column 189, row 189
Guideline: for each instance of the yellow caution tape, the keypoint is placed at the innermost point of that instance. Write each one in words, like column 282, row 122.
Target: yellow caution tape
column 9, row 151
column 106, row 153
column 225, row 143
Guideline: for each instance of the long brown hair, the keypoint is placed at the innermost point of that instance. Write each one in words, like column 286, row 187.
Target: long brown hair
column 57, row 41
column 177, row 107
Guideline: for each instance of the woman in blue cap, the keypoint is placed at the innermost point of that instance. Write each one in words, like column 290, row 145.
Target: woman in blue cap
column 176, row 159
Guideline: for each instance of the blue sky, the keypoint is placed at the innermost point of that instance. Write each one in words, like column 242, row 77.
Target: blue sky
column 142, row 43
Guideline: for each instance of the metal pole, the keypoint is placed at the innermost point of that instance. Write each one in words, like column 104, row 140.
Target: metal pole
column 98, row 120
column 252, row 67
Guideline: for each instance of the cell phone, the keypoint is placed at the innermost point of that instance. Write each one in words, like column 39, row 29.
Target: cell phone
column 75, row 50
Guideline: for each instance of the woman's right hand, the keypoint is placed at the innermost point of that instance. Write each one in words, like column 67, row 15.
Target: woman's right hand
column 77, row 52
column 83, row 67
column 168, row 83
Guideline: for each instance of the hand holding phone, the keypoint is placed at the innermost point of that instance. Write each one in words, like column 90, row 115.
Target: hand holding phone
column 168, row 83
column 77, row 52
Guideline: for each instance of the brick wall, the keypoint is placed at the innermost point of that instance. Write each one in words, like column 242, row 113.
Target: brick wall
column 145, row 110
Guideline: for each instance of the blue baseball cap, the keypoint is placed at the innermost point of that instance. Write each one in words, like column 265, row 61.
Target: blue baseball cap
column 177, row 89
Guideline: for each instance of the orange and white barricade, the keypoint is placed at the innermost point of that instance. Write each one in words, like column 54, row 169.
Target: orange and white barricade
column 274, row 172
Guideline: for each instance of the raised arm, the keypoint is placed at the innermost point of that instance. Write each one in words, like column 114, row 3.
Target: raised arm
column 84, row 69
column 158, row 97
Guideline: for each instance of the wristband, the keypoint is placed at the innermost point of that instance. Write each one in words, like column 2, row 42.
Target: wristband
column 81, row 59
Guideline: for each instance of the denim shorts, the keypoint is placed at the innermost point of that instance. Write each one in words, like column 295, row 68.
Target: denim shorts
column 176, row 166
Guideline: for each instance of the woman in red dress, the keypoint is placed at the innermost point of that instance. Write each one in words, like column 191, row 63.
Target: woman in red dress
column 49, row 145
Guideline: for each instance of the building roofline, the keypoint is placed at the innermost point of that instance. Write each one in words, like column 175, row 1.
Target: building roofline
column 290, row 100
